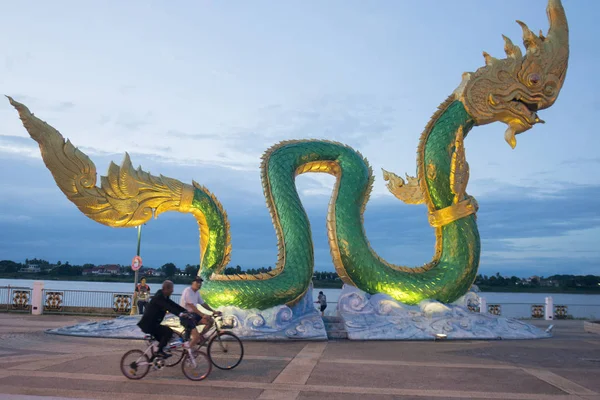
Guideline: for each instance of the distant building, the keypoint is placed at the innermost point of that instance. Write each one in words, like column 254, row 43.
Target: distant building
column 153, row 272
column 549, row 283
column 112, row 269
column 30, row 269
column 103, row 270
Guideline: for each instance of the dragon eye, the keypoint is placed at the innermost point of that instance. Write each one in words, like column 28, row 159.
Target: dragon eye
column 549, row 90
column 533, row 79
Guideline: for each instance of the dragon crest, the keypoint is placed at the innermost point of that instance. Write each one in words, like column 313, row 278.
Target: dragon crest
column 512, row 90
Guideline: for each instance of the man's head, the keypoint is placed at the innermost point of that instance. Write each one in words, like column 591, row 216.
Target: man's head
column 167, row 288
column 197, row 283
column 320, row 292
column 143, row 281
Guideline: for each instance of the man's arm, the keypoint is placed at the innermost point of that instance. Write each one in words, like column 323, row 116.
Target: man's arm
column 209, row 308
column 169, row 305
column 195, row 308
column 174, row 308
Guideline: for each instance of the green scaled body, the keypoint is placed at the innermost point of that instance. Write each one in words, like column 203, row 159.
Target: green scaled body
column 447, row 277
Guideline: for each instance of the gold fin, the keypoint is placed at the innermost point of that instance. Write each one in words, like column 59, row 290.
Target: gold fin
column 409, row 192
column 459, row 169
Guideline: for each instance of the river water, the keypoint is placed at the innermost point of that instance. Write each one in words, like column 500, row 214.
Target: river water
column 517, row 305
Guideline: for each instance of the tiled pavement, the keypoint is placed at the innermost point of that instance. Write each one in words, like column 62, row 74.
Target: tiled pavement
column 37, row 366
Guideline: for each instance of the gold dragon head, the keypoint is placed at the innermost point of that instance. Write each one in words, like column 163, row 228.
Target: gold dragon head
column 514, row 89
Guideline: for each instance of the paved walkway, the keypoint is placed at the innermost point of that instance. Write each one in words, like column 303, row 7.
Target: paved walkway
column 34, row 364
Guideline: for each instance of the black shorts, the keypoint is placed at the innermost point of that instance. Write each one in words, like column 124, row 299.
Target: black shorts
column 196, row 318
column 323, row 307
column 190, row 323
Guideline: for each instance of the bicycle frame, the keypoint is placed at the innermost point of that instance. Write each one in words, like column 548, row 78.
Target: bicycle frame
column 218, row 325
column 149, row 352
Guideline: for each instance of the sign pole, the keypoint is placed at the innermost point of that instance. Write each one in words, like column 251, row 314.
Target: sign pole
column 134, row 309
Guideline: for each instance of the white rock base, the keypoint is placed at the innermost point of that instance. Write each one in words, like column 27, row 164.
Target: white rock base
column 380, row 317
column 300, row 322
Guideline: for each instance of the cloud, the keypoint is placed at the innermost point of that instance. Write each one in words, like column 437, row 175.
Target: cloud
column 54, row 105
column 182, row 135
column 581, row 160
column 133, row 121
column 14, row 218
column 235, row 145
column 19, row 146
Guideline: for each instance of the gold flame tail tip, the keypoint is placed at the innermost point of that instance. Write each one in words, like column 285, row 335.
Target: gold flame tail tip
column 386, row 175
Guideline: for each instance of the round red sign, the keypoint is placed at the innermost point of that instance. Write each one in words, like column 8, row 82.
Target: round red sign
column 136, row 263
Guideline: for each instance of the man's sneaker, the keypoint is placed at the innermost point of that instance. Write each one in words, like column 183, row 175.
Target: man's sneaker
column 163, row 355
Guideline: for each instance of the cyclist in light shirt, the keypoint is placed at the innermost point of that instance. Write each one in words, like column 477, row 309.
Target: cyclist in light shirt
column 190, row 299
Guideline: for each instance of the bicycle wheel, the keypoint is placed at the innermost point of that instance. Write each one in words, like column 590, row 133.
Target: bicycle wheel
column 225, row 350
column 177, row 353
column 201, row 370
column 135, row 364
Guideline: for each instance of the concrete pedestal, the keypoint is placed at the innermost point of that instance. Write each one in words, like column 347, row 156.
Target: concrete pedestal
column 37, row 298
column 549, row 309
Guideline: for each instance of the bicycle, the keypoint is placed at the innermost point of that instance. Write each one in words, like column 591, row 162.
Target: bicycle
column 222, row 343
column 140, row 363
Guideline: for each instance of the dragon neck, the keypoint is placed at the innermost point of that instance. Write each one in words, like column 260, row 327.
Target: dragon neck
column 436, row 148
column 446, row 277
column 454, row 265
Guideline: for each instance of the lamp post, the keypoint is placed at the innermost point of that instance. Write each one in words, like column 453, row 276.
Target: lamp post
column 134, row 309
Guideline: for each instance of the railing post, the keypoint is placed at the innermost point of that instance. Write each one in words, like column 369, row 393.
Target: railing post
column 482, row 305
column 36, row 298
column 549, row 311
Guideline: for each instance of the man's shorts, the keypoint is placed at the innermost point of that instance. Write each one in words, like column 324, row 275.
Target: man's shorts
column 196, row 318
column 189, row 323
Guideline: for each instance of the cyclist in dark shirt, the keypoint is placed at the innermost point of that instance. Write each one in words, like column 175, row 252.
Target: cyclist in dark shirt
column 156, row 309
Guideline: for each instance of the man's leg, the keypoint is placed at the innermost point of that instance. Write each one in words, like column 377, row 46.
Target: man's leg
column 195, row 337
column 191, row 329
column 163, row 334
column 208, row 323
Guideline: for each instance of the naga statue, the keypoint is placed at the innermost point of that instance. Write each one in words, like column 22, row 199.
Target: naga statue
column 510, row 90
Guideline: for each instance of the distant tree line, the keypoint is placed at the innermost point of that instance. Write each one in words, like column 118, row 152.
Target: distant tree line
column 45, row 267
column 557, row 281
column 40, row 268
column 168, row 270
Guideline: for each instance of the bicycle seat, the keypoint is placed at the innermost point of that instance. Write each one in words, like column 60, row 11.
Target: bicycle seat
column 148, row 336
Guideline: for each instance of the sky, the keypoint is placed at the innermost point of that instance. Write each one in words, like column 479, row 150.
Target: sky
column 199, row 90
